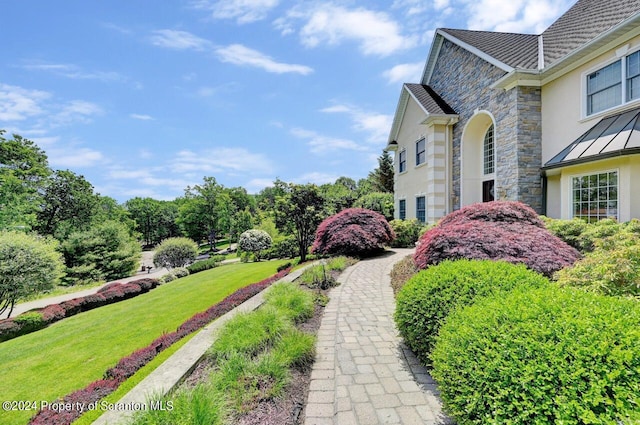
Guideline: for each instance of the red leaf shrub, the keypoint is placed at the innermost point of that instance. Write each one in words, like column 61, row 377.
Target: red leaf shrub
column 504, row 239
column 9, row 329
column 496, row 211
column 52, row 313
column 130, row 364
column 109, row 286
column 354, row 231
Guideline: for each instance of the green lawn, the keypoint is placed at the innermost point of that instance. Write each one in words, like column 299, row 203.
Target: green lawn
column 72, row 353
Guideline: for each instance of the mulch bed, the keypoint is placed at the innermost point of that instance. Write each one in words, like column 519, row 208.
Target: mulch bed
column 288, row 409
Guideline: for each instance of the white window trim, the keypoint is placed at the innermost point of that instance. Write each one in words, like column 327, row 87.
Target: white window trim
column 406, row 168
column 591, row 173
column 623, row 69
column 422, row 139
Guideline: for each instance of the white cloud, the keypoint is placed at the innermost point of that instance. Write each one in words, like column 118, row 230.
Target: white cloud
column 17, row 103
column 406, row 72
column 375, row 124
column 74, row 158
column 256, row 185
column 142, row 117
column 238, row 54
column 244, row 11
column 316, row 178
column 520, row 16
column 221, row 160
column 178, row 40
column 75, row 111
column 320, row 144
column 326, row 23
column 75, row 72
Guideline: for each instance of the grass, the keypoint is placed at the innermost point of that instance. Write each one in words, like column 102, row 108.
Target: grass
column 320, row 275
column 246, row 372
column 72, row 353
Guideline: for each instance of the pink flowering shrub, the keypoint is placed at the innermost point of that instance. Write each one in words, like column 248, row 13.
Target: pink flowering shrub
column 471, row 234
column 354, row 231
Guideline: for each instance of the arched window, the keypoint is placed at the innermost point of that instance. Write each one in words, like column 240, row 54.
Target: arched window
column 489, row 158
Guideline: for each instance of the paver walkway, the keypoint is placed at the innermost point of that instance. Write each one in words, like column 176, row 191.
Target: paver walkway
column 363, row 373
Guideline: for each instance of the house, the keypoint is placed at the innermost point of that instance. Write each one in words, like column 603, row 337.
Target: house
column 552, row 120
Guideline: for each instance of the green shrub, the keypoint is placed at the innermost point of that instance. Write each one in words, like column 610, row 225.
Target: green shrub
column 401, row 272
column 338, row 264
column 249, row 333
column 209, row 263
column 407, row 232
column 295, row 348
column 569, row 231
column 169, row 277
column 317, row 277
column 30, row 322
column 543, row 355
column 295, row 303
column 612, row 268
column 180, row 272
column 427, row 299
column 175, row 252
column 283, row 247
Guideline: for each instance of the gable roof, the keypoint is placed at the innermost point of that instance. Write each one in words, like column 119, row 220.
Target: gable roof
column 513, row 50
column 587, row 24
column 427, row 99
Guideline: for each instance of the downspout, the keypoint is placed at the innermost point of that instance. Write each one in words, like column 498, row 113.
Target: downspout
column 543, row 178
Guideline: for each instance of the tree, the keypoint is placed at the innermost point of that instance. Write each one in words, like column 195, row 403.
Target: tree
column 107, row 251
column 199, row 213
column 28, row 264
column 381, row 202
column 254, row 241
column 23, row 169
column 339, row 195
column 382, row 177
column 68, row 204
column 299, row 211
column 354, row 231
column 175, row 252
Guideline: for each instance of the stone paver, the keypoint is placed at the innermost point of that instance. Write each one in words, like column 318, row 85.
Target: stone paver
column 363, row 373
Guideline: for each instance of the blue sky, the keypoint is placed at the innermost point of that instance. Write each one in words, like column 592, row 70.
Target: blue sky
column 146, row 97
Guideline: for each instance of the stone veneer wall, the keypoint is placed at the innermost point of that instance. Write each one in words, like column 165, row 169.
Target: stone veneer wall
column 463, row 80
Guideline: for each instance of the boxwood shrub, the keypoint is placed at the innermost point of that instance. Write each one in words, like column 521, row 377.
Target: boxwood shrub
column 427, row 298
column 546, row 355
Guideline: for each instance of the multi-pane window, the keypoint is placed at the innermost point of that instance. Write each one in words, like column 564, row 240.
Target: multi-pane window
column 595, row 196
column 614, row 84
column 421, row 154
column 633, row 76
column 402, row 209
column 402, row 161
column 421, row 208
column 489, row 159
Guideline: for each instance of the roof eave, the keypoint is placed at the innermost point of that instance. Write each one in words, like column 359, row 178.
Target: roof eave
column 628, row 29
column 518, row 77
column 599, row 157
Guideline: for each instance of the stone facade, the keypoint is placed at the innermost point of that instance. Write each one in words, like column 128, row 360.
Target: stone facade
column 463, row 80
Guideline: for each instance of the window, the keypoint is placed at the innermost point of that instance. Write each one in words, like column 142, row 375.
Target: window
column 402, row 208
column 402, row 161
column 595, row 196
column 421, row 155
column 421, row 209
column 488, row 149
column 633, row 76
column 614, row 85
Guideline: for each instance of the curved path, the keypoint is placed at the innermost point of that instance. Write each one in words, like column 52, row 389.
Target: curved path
column 363, row 373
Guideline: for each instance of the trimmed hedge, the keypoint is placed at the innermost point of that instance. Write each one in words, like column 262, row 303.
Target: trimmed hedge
column 425, row 301
column 130, row 364
column 354, row 231
column 491, row 231
column 35, row 320
column 209, row 263
column 541, row 356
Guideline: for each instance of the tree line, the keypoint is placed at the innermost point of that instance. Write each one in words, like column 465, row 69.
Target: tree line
column 94, row 238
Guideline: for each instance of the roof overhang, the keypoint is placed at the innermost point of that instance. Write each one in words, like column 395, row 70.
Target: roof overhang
column 613, row 136
column 438, row 40
column 430, row 118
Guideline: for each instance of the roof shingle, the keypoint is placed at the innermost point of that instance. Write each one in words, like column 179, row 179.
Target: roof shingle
column 429, row 99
